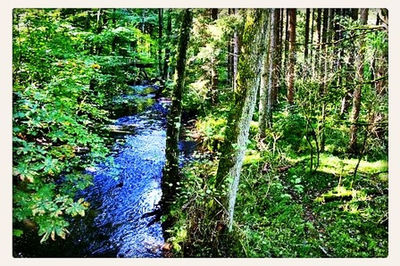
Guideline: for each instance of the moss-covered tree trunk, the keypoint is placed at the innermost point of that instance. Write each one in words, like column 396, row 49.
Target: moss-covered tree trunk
column 171, row 170
column 292, row 55
column 357, row 90
column 249, row 75
column 269, row 77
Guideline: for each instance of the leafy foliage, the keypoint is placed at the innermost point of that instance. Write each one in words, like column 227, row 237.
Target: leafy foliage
column 64, row 63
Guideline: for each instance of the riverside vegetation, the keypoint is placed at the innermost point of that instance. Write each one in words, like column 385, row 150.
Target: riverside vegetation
column 285, row 112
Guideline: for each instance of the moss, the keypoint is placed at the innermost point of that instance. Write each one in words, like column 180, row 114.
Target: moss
column 337, row 166
column 252, row 158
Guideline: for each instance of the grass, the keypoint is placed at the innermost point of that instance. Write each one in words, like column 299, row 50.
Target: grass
column 283, row 210
column 294, row 213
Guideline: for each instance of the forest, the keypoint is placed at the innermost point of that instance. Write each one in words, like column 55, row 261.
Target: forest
column 200, row 132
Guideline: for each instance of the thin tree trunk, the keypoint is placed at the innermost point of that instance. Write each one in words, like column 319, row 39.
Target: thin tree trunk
column 322, row 46
column 167, row 49
column 265, row 91
column 160, row 31
column 276, row 62
column 171, row 170
column 214, row 69
column 281, row 48
column 230, row 52
column 357, row 91
column 326, row 36
column 349, row 66
column 307, row 34
column 285, row 53
column 312, row 39
column 235, row 54
column 292, row 55
column 318, row 50
column 250, row 67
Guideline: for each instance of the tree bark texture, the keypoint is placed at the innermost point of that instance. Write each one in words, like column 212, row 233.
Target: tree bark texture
column 264, row 89
column 167, row 49
column 307, row 33
column 357, row 90
column 235, row 53
column 214, row 67
column 160, row 31
column 171, row 170
column 292, row 55
column 249, row 68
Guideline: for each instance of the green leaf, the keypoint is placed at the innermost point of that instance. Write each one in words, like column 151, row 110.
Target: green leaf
column 17, row 232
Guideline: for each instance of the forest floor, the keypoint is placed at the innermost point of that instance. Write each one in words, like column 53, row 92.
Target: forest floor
column 283, row 209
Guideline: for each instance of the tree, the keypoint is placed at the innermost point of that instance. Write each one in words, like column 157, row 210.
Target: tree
column 214, row 64
column 357, row 90
column 167, row 48
column 235, row 53
column 249, row 76
column 292, row 55
column 323, row 88
column 269, row 76
column 265, row 91
column 171, row 168
column 319, row 38
column 276, row 59
column 312, row 37
column 286, row 48
column 307, row 33
column 160, row 31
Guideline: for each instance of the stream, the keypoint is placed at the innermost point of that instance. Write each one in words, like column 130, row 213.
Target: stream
column 126, row 186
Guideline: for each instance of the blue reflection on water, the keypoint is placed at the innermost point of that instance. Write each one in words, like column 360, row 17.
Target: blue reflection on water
column 128, row 186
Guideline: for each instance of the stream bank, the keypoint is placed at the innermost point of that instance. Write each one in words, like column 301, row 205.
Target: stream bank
column 126, row 186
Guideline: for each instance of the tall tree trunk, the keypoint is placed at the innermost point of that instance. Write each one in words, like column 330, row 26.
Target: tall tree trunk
column 235, row 53
column 292, row 55
column 285, row 53
column 312, row 37
column 276, row 61
column 214, row 66
column 160, row 31
column 357, row 90
column 229, row 69
column 279, row 53
column 318, row 50
column 322, row 46
column 171, row 170
column 346, row 100
column 281, row 46
column 167, row 49
column 326, row 39
column 250, row 67
column 265, row 91
column 307, row 34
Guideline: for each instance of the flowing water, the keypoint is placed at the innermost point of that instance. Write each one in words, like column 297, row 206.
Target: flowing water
column 125, row 187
